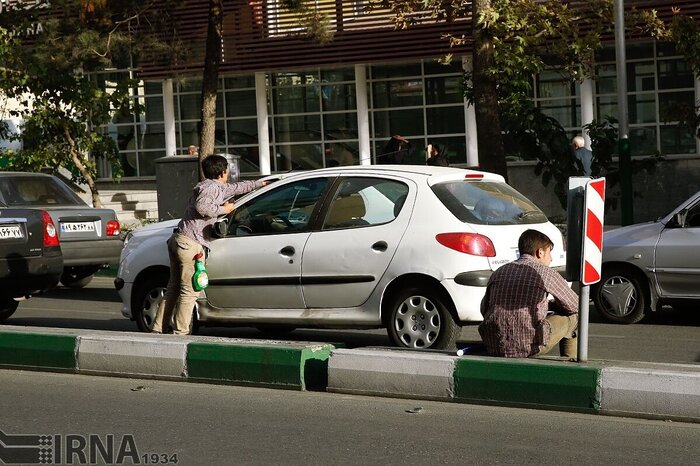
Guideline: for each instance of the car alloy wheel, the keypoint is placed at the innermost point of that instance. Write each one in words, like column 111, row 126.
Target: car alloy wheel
column 619, row 297
column 419, row 319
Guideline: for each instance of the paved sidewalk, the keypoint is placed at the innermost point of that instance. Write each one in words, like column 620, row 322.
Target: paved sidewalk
column 648, row 390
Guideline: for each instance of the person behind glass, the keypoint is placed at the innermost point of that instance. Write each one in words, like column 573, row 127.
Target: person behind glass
column 191, row 238
column 192, row 150
column 396, row 150
column 435, row 154
column 519, row 319
column 582, row 154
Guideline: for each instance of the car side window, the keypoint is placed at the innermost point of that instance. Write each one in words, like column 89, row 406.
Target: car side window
column 365, row 201
column 693, row 218
column 286, row 209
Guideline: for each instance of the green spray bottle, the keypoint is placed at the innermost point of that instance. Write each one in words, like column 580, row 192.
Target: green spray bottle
column 200, row 279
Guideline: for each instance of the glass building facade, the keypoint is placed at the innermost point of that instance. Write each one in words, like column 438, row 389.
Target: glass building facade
column 313, row 120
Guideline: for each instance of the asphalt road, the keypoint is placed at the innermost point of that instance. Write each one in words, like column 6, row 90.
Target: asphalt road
column 670, row 336
column 222, row 425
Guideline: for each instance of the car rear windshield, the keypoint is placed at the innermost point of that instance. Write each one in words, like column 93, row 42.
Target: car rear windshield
column 36, row 191
column 487, row 203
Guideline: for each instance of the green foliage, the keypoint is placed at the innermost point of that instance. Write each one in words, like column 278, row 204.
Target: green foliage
column 315, row 24
column 62, row 104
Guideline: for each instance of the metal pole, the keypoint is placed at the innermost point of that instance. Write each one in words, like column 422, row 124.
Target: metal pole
column 624, row 158
column 583, row 303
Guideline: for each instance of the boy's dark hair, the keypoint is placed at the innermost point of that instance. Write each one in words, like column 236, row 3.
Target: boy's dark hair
column 532, row 240
column 214, row 166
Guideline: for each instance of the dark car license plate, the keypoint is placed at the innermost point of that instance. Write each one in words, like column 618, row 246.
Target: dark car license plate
column 10, row 231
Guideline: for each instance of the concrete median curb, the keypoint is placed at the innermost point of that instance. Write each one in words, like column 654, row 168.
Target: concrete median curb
column 648, row 390
column 657, row 391
column 288, row 365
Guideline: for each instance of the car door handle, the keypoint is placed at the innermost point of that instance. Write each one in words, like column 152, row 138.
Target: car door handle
column 380, row 246
column 287, row 251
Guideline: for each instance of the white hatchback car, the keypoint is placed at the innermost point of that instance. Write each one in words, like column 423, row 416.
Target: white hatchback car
column 408, row 248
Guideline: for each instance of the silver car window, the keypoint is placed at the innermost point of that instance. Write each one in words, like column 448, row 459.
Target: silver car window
column 286, row 209
column 365, row 201
column 487, row 203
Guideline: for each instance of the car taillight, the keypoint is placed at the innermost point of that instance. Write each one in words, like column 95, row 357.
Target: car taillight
column 468, row 243
column 50, row 234
column 113, row 228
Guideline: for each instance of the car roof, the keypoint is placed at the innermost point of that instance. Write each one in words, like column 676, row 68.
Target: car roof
column 436, row 173
column 13, row 174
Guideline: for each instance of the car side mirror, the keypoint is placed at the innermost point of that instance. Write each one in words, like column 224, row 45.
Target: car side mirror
column 221, row 228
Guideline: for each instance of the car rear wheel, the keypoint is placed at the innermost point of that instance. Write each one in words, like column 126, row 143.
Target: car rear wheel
column 147, row 298
column 78, row 277
column 620, row 297
column 8, row 306
column 419, row 318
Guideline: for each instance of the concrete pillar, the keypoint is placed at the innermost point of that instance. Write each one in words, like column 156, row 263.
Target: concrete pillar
column 263, row 125
column 587, row 107
column 169, row 117
column 470, row 123
column 362, row 115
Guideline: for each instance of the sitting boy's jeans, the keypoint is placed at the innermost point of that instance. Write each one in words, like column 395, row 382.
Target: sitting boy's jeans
column 564, row 334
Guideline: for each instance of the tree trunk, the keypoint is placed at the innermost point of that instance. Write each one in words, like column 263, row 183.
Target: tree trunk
column 492, row 156
column 77, row 161
column 210, row 81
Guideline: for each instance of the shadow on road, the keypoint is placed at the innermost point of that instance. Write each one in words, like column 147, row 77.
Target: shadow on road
column 103, row 294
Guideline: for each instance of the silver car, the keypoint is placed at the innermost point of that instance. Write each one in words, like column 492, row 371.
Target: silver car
column 90, row 238
column 651, row 264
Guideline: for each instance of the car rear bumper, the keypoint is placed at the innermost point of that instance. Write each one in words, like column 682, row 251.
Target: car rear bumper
column 29, row 275
column 93, row 252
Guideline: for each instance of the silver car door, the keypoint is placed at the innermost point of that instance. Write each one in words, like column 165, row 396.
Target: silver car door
column 677, row 257
column 361, row 231
column 258, row 264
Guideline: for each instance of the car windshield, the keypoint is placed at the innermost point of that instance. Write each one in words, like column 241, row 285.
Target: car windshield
column 36, row 190
column 487, row 203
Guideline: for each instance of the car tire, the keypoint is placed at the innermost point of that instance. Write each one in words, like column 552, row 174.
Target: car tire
column 419, row 318
column 620, row 295
column 78, row 277
column 8, row 306
column 147, row 298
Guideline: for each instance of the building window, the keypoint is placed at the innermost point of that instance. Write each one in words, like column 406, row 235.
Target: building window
column 421, row 101
column 140, row 133
column 313, row 119
column 660, row 86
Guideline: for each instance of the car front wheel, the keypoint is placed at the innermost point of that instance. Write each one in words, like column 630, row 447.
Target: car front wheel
column 419, row 318
column 147, row 299
column 619, row 297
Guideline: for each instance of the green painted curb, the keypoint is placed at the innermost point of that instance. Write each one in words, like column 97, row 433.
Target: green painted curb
column 542, row 383
column 293, row 367
column 38, row 350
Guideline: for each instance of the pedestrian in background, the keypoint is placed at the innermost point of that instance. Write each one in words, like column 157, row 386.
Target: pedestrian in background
column 210, row 199
column 583, row 155
column 519, row 319
column 395, row 151
column 435, row 154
